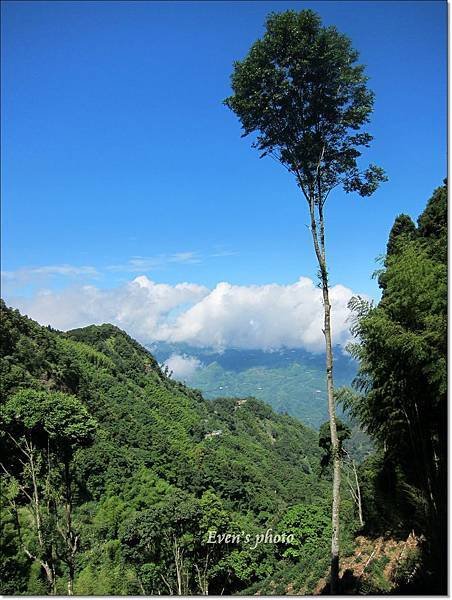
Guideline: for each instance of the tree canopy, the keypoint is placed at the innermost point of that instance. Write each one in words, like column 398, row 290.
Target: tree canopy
column 302, row 92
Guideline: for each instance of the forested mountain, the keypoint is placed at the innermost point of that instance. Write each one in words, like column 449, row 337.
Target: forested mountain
column 109, row 464
column 291, row 380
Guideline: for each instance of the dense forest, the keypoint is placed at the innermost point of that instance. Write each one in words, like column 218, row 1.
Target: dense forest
column 115, row 476
column 402, row 382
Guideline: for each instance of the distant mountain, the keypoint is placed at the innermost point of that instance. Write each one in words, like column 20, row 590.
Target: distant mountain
column 292, row 381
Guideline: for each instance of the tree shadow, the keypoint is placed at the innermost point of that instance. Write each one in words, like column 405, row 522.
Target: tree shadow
column 348, row 584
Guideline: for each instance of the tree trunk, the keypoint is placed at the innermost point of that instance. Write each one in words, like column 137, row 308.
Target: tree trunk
column 203, row 581
column 46, row 563
column 70, row 582
column 316, row 200
column 334, row 581
column 178, row 562
column 358, row 495
column 353, row 486
column 319, row 246
column 69, row 536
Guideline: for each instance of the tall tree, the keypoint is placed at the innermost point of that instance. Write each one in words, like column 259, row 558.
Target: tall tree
column 302, row 92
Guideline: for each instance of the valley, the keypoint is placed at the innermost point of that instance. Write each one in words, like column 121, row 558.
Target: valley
column 290, row 380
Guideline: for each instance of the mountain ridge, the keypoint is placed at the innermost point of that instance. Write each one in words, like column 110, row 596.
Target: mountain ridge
column 290, row 380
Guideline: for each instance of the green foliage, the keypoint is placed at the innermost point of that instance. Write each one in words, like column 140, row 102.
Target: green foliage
column 156, row 541
column 14, row 567
column 61, row 417
column 402, row 351
column 311, row 527
column 343, row 434
column 301, row 90
column 403, row 231
column 142, row 461
column 41, row 430
column 432, row 225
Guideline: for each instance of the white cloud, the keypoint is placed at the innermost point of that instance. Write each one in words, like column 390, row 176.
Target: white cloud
column 267, row 316
column 28, row 274
column 140, row 264
column 140, row 306
column 182, row 366
column 185, row 257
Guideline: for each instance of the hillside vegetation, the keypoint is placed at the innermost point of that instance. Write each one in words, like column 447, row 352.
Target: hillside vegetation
column 115, row 478
column 102, row 448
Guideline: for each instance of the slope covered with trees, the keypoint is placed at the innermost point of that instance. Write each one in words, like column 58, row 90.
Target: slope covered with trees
column 290, row 380
column 114, row 475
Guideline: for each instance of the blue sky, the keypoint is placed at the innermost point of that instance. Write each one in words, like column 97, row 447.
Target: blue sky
column 119, row 158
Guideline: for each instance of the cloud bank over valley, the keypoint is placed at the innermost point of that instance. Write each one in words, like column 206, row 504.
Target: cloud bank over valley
column 228, row 316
